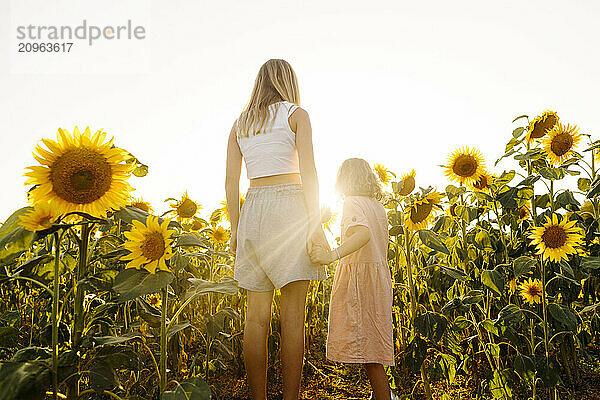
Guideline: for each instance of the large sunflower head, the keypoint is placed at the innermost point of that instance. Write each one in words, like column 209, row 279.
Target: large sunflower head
column 531, row 291
column 560, row 142
column 483, row 183
column 382, row 173
column 80, row 172
column 185, row 209
column 40, row 217
column 149, row 244
column 140, row 204
column 218, row 235
column 557, row 238
column 465, row 165
column 420, row 213
column 540, row 125
column 408, row 183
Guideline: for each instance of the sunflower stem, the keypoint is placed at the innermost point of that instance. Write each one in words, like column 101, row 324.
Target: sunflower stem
column 55, row 300
column 411, row 285
column 552, row 195
column 163, row 342
column 73, row 389
column 463, row 226
column 533, row 202
column 544, row 311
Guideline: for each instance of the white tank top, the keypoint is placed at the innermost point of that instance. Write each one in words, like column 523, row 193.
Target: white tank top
column 273, row 151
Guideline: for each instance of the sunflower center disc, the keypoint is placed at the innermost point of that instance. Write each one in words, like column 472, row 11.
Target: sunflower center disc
column 81, row 176
column 465, row 165
column 408, row 185
column 420, row 212
column 153, row 246
column 554, row 237
column 561, row 144
column 533, row 291
column 542, row 127
column 187, row 209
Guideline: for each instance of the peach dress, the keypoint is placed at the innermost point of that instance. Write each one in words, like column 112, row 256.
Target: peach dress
column 360, row 310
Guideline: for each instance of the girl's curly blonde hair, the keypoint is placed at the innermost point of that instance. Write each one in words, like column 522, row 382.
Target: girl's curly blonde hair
column 356, row 178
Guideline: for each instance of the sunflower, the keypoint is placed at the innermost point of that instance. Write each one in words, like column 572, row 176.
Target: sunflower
column 224, row 206
column 420, row 213
column 185, row 209
column 218, row 235
column 541, row 125
column 524, row 211
column 140, row 204
column 465, row 165
column 408, row 183
column 382, row 173
column 149, row 244
column 80, row 172
column 555, row 240
column 40, row 217
column 531, row 291
column 451, row 211
column 560, row 142
column 154, row 300
column 483, row 183
column 512, row 285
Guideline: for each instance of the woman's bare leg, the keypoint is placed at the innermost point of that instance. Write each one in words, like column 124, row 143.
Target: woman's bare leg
column 293, row 305
column 256, row 332
column 379, row 381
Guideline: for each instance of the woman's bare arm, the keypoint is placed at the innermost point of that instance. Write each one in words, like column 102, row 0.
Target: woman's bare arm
column 300, row 124
column 232, row 183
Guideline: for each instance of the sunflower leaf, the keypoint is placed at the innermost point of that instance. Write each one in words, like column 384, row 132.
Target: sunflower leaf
column 590, row 262
column 564, row 316
column 493, row 279
column 433, row 241
column 522, row 265
column 594, row 189
column 518, row 131
column 553, row 174
column 131, row 283
column 530, row 155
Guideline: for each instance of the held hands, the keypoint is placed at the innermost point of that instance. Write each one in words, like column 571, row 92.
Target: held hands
column 320, row 255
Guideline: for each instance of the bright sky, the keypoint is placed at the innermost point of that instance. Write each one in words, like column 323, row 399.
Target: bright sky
column 397, row 82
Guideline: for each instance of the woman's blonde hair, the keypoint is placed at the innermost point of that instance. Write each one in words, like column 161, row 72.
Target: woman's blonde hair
column 356, row 178
column 276, row 81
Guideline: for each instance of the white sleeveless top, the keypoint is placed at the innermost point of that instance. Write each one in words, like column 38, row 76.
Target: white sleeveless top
column 273, row 151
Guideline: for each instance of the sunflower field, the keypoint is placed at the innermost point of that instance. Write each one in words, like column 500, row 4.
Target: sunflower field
column 496, row 281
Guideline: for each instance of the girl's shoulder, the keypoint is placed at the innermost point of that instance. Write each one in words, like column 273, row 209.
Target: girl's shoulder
column 364, row 203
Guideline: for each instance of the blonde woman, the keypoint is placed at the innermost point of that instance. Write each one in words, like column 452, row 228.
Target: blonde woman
column 278, row 223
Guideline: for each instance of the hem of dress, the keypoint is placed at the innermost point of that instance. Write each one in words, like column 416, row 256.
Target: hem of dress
column 361, row 361
column 301, row 278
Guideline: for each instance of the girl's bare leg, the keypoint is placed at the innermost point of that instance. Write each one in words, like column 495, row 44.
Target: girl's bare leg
column 379, row 381
column 293, row 304
column 256, row 332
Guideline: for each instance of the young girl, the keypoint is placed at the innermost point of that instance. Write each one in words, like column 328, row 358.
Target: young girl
column 360, row 310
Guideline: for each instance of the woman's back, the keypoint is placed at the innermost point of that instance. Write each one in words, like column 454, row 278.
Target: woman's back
column 272, row 151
